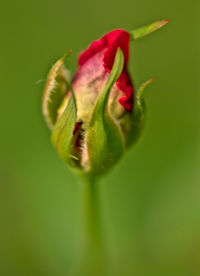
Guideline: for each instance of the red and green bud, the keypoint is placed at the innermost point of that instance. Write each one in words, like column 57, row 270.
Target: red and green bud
column 97, row 116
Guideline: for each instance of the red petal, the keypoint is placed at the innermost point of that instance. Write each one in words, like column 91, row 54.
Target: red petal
column 125, row 85
column 115, row 39
column 94, row 48
column 110, row 42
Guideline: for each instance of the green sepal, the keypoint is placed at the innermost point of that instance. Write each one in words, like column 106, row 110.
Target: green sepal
column 62, row 135
column 148, row 29
column 55, row 90
column 105, row 142
column 138, row 116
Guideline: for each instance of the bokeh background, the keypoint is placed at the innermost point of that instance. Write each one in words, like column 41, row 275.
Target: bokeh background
column 151, row 201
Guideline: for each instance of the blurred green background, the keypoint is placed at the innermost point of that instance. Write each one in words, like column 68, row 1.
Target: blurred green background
column 151, row 201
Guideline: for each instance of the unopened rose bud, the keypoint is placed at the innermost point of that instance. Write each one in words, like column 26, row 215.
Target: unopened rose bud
column 98, row 116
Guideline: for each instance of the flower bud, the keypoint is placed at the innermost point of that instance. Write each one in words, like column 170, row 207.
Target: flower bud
column 96, row 117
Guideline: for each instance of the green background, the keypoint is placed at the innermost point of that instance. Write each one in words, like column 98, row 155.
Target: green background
column 151, row 200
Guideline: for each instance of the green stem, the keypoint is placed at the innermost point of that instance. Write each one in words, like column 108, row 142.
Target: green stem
column 92, row 248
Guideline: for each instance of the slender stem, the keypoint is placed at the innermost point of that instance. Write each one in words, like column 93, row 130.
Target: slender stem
column 90, row 205
column 92, row 248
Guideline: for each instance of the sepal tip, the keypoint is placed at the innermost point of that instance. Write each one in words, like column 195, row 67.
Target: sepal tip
column 142, row 87
column 148, row 29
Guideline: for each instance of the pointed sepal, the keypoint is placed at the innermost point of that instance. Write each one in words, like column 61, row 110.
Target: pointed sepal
column 104, row 140
column 138, row 116
column 55, row 90
column 148, row 29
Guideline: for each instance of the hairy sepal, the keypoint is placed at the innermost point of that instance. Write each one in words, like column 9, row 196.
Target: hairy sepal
column 62, row 135
column 104, row 140
column 55, row 90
